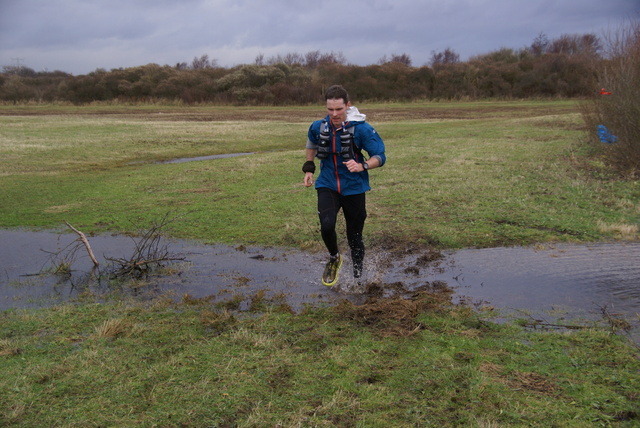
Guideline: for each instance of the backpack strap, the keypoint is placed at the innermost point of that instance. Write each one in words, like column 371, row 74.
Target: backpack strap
column 348, row 145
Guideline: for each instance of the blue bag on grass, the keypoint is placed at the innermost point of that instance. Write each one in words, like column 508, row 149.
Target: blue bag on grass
column 605, row 135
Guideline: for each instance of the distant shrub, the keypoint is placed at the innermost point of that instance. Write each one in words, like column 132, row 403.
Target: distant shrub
column 617, row 105
column 550, row 68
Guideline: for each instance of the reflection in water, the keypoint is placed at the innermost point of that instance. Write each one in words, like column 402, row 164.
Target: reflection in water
column 576, row 277
column 576, row 280
column 211, row 270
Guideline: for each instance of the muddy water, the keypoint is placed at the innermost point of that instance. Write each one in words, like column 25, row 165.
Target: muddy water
column 210, row 157
column 545, row 283
column 218, row 270
column 572, row 278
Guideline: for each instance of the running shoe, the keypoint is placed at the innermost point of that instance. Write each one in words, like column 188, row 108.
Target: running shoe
column 330, row 275
column 357, row 271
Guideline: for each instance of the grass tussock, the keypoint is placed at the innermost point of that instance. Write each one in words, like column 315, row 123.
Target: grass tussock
column 621, row 231
column 8, row 348
column 112, row 328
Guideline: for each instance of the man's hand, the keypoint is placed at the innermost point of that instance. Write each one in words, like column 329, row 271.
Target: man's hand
column 354, row 166
column 308, row 179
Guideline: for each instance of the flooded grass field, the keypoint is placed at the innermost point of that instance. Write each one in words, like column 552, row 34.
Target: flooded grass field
column 495, row 175
column 544, row 284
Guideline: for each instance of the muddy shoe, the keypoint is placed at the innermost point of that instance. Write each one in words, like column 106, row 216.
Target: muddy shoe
column 330, row 275
column 357, row 272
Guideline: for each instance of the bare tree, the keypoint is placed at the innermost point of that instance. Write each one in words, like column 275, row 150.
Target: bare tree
column 332, row 58
column 203, row 62
column 574, row 44
column 448, row 56
column 540, row 45
column 291, row 58
column 400, row 59
column 312, row 59
column 294, row 59
column 20, row 70
column 617, row 108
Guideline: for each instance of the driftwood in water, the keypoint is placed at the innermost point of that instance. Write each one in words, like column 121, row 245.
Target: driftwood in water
column 84, row 240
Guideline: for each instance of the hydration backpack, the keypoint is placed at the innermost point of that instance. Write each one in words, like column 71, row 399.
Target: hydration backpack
column 348, row 146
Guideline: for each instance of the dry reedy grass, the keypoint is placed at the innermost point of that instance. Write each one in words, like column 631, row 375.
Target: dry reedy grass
column 8, row 348
column 620, row 230
column 112, row 328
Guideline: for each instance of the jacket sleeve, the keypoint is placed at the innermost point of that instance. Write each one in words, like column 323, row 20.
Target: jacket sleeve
column 371, row 142
column 312, row 135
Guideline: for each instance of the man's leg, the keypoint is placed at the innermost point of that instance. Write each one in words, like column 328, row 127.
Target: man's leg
column 355, row 213
column 328, row 207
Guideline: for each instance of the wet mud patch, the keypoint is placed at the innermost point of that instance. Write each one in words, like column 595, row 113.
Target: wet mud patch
column 397, row 315
column 430, row 111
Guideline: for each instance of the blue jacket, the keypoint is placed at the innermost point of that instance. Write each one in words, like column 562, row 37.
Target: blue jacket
column 333, row 174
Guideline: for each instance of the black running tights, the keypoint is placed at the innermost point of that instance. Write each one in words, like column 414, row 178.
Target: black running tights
column 355, row 213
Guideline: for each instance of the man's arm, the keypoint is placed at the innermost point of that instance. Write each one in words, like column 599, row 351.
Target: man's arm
column 308, row 176
column 373, row 145
column 311, row 154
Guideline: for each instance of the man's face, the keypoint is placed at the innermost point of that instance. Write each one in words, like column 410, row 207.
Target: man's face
column 337, row 111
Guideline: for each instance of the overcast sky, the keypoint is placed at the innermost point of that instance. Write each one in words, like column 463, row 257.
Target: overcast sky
column 80, row 36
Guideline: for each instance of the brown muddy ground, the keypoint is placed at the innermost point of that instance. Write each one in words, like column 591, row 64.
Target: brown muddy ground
column 432, row 111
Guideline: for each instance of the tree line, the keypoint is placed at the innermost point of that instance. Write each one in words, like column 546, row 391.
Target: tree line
column 563, row 67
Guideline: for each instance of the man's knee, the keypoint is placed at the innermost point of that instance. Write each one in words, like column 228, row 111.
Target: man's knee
column 327, row 223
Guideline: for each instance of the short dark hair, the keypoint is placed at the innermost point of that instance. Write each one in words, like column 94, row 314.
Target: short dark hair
column 336, row 92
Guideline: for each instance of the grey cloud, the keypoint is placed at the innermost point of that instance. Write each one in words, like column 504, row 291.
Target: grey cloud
column 81, row 35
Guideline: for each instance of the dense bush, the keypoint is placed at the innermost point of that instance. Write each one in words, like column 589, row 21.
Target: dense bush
column 558, row 68
column 617, row 107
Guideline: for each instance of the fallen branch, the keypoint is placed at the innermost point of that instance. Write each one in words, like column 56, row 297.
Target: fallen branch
column 550, row 325
column 84, row 240
column 141, row 267
column 614, row 321
column 149, row 253
column 534, row 323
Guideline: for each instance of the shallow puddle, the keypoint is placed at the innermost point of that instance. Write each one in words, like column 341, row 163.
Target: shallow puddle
column 544, row 283
column 210, row 157
column 577, row 280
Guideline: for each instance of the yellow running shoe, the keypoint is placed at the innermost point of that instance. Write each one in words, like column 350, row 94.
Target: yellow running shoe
column 331, row 270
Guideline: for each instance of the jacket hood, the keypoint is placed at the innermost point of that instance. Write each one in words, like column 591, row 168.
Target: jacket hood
column 353, row 115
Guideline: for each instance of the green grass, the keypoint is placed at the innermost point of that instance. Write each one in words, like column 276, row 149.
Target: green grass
column 458, row 175
column 126, row 364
